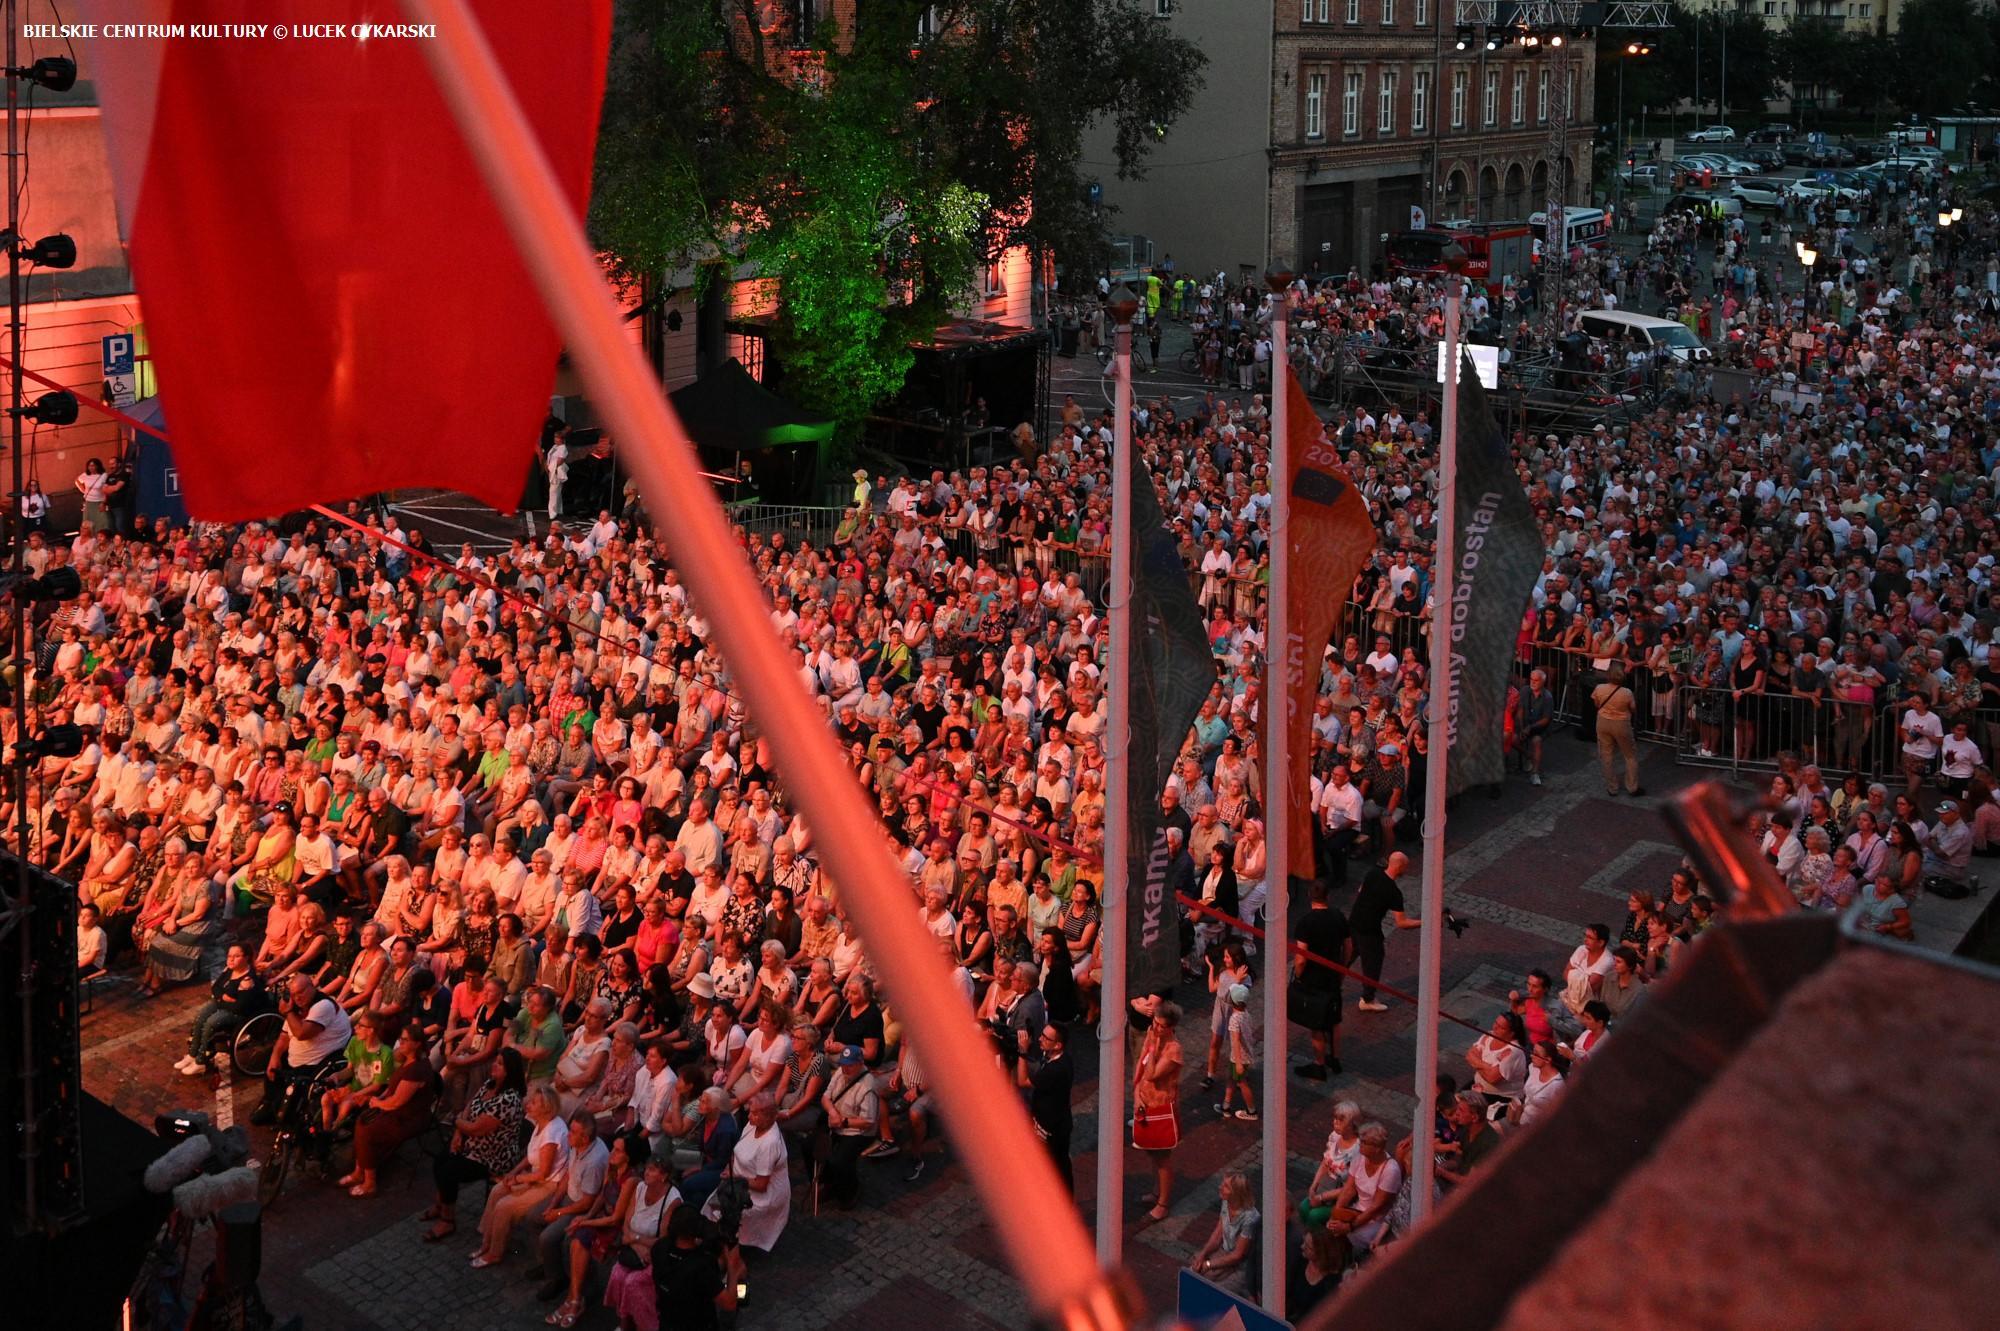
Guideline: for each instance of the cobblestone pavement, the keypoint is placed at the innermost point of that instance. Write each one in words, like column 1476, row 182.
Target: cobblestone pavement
column 1528, row 868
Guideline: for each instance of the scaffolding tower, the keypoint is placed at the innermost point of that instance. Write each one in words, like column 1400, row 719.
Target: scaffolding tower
column 1568, row 22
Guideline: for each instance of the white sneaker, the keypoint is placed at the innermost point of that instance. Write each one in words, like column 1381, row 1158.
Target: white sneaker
column 193, row 1069
column 1534, row 778
column 1367, row 1006
column 185, row 1062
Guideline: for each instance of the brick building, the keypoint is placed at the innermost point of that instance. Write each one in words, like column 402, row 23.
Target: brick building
column 1370, row 113
column 1375, row 118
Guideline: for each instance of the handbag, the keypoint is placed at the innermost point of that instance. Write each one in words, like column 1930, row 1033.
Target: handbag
column 629, row 1258
column 1314, row 1009
column 1155, row 1128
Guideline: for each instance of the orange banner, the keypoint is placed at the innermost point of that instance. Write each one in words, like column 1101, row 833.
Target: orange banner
column 1331, row 539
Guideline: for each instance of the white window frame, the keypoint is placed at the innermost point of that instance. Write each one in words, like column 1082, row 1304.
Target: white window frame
column 1489, row 105
column 1420, row 97
column 1316, row 105
column 1461, row 93
column 1163, row 8
column 1542, row 98
column 1350, row 104
column 1517, row 101
column 1353, row 11
column 1388, row 13
column 1385, row 104
column 1423, row 13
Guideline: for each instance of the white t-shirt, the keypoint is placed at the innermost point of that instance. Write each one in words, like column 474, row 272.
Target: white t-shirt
column 1960, row 757
column 1921, row 734
column 335, row 1031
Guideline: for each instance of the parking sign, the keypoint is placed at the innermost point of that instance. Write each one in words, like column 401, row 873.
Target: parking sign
column 121, row 377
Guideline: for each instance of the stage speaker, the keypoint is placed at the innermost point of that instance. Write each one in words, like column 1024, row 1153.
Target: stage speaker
column 41, row 1059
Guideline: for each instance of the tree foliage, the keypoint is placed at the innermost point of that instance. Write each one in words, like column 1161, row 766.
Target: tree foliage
column 868, row 173
column 1945, row 54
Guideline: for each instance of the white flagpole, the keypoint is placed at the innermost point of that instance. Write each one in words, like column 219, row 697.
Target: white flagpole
column 1043, row 1237
column 1279, row 802
column 1112, row 895
column 1430, row 939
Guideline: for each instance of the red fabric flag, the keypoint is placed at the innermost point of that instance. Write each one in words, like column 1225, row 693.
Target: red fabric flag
column 1331, row 539
column 332, row 302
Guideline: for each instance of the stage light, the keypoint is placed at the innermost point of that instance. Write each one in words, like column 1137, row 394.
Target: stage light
column 1556, row 40
column 57, row 73
column 57, row 251
column 1492, row 43
column 57, row 408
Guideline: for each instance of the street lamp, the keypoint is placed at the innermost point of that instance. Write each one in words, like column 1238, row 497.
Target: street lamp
column 1946, row 216
column 1808, row 256
column 1617, row 174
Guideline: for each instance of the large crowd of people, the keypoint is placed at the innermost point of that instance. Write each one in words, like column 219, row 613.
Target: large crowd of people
column 494, row 836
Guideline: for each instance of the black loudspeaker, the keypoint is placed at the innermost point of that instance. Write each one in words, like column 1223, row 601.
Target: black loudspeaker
column 41, row 1060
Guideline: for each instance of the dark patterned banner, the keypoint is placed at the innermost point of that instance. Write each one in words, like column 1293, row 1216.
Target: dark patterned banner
column 1332, row 538
column 1172, row 671
column 1498, row 552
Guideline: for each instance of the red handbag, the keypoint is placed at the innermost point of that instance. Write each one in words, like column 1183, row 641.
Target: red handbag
column 1156, row 1129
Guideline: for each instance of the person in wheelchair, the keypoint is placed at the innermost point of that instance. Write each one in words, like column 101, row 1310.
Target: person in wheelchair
column 234, row 997
column 316, row 1032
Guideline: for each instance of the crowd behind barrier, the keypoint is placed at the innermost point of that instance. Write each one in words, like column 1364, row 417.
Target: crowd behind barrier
column 510, row 851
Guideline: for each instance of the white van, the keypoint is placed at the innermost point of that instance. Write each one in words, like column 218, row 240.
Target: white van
column 1662, row 337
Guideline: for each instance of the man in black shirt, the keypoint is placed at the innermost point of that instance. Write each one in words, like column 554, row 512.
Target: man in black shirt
column 1379, row 900
column 1049, row 1083
column 1314, row 1000
column 687, row 1274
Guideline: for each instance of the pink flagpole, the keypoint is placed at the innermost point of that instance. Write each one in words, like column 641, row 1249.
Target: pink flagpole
column 1044, row 1239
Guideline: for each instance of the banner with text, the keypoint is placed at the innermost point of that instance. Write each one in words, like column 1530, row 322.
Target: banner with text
column 1331, row 539
column 1497, row 551
column 1172, row 670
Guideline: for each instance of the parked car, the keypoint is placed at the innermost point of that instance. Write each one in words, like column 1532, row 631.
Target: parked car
column 1772, row 134
column 1713, row 134
column 1767, row 159
column 1754, row 192
column 1812, row 191
column 1647, row 177
column 1898, row 175
column 1797, row 152
column 1704, row 204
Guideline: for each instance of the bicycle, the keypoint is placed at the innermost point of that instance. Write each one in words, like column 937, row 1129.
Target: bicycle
column 299, row 1131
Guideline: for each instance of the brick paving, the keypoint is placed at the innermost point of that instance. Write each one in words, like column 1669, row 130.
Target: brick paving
column 1529, row 869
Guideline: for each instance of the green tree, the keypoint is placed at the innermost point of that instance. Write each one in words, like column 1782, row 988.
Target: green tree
column 1944, row 52
column 868, row 174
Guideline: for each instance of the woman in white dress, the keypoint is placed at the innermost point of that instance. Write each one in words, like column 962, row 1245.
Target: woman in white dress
column 760, row 1160
column 759, row 1066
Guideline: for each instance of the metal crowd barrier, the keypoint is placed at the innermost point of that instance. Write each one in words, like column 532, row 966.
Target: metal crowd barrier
column 796, row 522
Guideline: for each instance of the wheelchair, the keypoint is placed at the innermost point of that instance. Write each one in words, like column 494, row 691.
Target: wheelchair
column 249, row 1045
